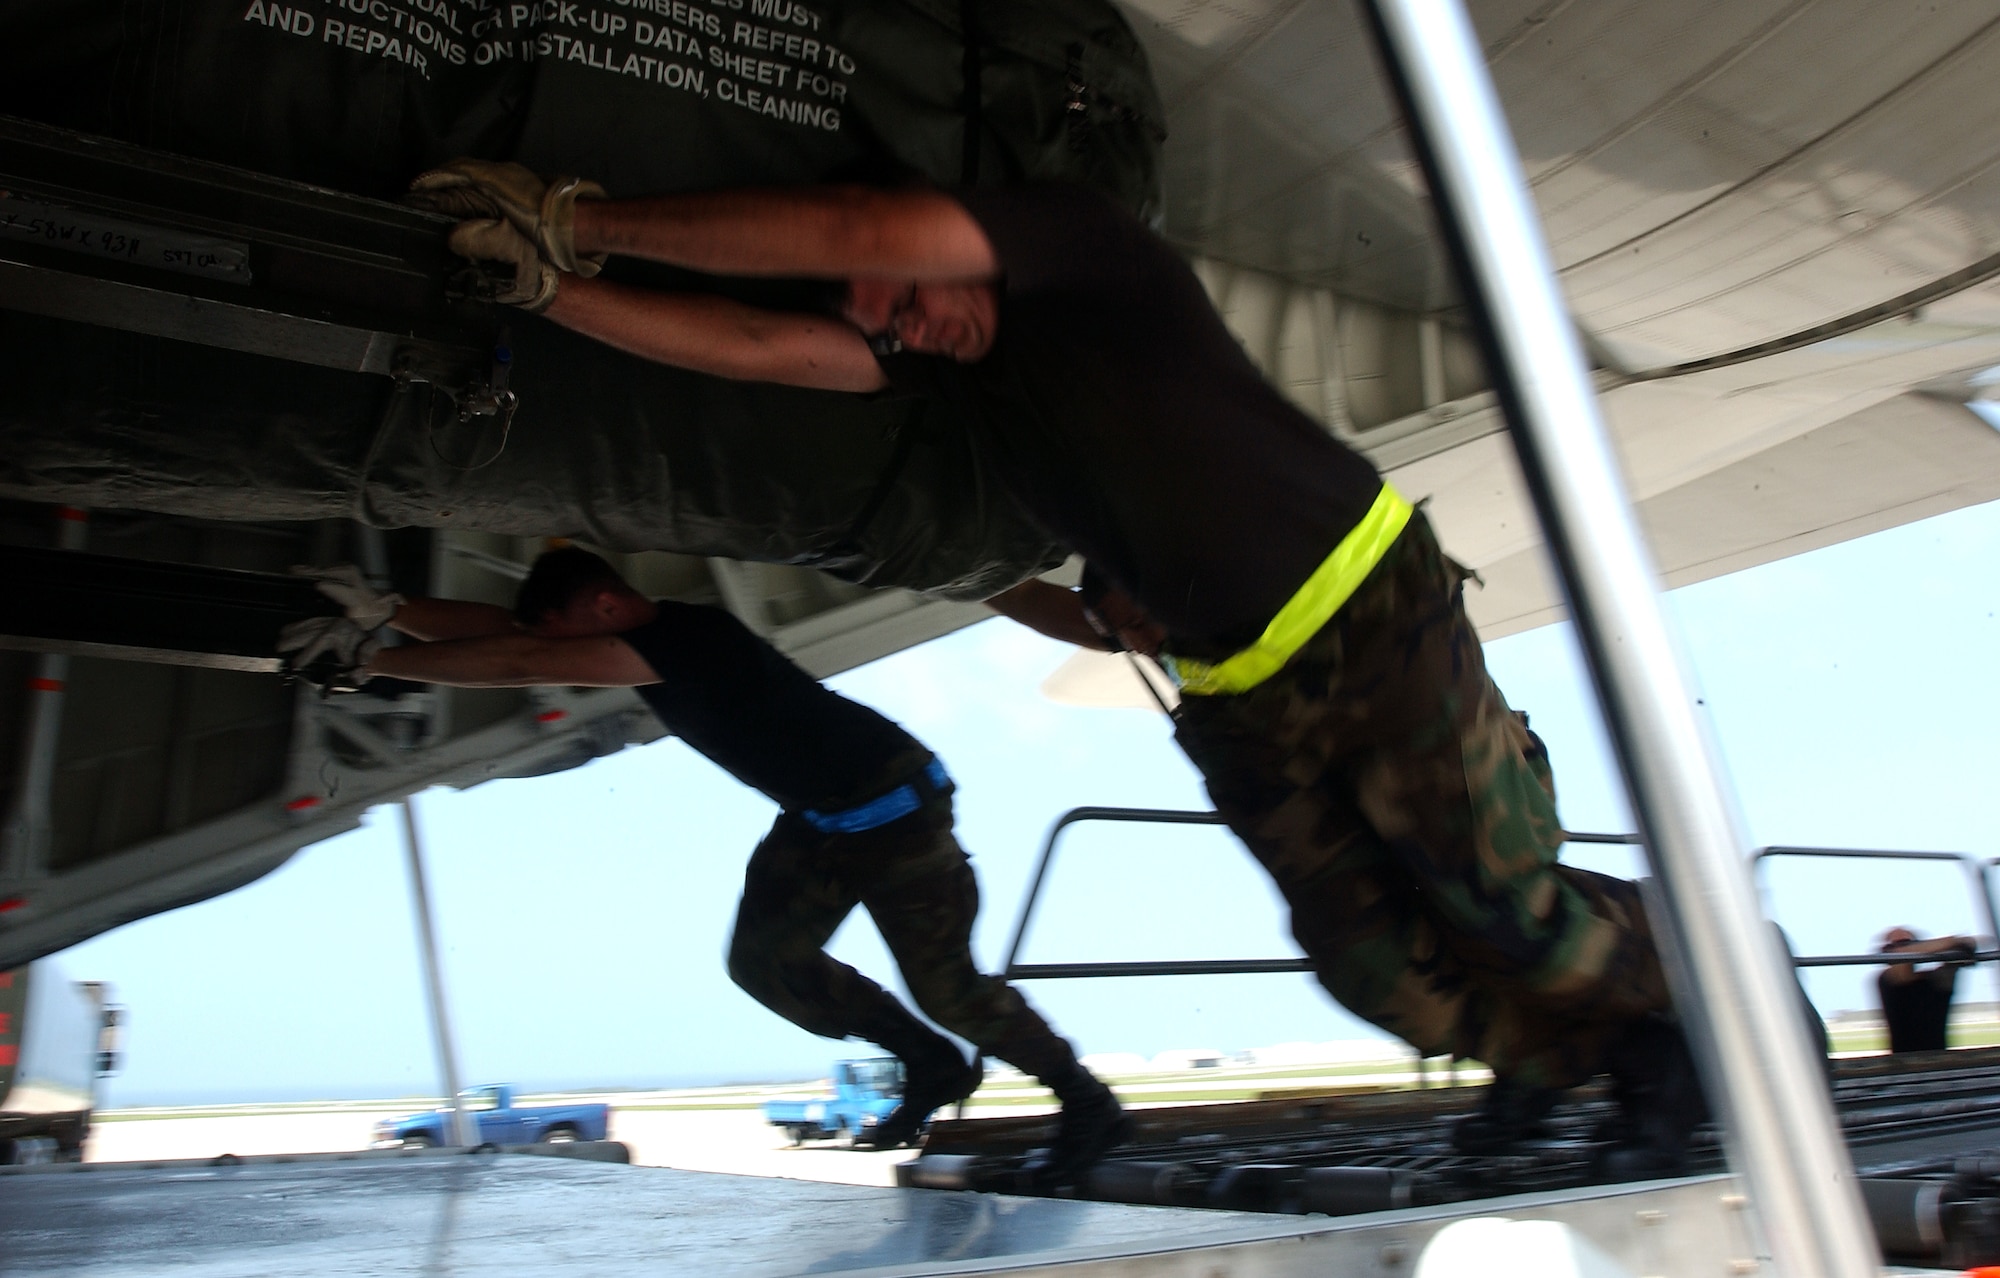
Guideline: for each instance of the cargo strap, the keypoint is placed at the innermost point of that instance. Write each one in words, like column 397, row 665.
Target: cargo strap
column 893, row 806
column 1330, row 586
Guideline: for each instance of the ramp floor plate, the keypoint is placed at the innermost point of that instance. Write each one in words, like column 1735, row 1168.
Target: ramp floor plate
column 449, row 1214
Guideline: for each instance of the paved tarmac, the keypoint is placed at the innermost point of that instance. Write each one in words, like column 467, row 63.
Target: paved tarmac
column 726, row 1140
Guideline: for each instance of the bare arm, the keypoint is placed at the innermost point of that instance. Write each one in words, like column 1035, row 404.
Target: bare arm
column 422, row 618
column 1114, row 624
column 1939, row 945
column 517, row 660
column 715, row 335
column 1943, row 947
column 821, row 232
column 1049, row 609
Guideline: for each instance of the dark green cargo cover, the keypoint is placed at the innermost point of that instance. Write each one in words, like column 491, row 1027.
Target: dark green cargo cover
column 645, row 96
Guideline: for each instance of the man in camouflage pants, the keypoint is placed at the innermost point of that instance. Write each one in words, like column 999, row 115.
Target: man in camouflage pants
column 918, row 886
column 1408, row 816
column 866, row 818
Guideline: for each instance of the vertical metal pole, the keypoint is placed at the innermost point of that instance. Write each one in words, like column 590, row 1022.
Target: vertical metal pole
column 30, row 827
column 463, row 1130
column 1734, row 991
column 1982, row 897
column 1034, row 895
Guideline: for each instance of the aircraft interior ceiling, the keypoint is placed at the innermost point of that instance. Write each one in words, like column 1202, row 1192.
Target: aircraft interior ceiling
column 1778, row 222
column 1778, row 225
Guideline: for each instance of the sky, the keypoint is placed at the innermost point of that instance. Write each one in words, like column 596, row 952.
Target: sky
column 583, row 916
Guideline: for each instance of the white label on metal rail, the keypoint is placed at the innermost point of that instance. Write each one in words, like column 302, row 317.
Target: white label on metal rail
column 156, row 246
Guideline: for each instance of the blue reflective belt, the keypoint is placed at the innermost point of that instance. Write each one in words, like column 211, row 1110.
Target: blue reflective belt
column 893, row 806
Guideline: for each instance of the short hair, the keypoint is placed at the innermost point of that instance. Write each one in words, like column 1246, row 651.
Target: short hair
column 556, row 579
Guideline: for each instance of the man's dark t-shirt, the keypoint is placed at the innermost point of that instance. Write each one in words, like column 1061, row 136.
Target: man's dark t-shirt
column 1916, row 1010
column 749, row 710
column 1119, row 412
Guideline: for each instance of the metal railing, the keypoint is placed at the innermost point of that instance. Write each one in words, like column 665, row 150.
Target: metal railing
column 1978, row 874
column 1015, row 970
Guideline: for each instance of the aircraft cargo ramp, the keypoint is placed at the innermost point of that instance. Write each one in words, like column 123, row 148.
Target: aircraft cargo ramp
column 1924, row 1130
column 441, row 1213
column 1334, row 1185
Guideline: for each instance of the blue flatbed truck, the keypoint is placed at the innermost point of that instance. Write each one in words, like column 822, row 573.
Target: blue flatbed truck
column 864, row 1092
column 500, row 1120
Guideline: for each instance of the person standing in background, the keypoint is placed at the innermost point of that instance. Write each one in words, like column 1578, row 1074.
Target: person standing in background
column 1917, row 1002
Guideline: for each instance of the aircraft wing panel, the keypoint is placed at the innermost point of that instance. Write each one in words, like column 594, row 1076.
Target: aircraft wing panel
column 1905, row 459
column 1673, row 435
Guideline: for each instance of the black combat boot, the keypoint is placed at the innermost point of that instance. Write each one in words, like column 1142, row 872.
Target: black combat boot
column 1660, row 1103
column 1091, row 1123
column 1512, row 1112
column 934, row 1075
column 925, row 1090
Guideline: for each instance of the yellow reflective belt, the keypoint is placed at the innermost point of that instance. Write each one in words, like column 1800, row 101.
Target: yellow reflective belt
column 1330, row 586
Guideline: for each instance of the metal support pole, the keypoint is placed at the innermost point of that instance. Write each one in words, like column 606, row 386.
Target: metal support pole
column 463, row 1130
column 1733, row 989
column 1982, row 893
column 30, row 826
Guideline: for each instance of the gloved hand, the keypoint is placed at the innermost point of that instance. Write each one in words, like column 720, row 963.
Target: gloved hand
column 332, row 652
column 543, row 211
column 366, row 606
column 534, row 281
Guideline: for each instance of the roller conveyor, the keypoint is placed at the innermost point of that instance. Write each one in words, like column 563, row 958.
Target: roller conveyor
column 1924, row 1131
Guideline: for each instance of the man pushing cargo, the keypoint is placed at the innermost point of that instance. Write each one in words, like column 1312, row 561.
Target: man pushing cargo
column 1334, row 694
column 866, row 817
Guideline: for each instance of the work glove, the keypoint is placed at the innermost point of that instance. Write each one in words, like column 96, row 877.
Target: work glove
column 543, row 211
column 530, row 284
column 366, row 606
column 330, row 652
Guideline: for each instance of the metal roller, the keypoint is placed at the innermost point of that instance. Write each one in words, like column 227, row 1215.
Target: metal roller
column 940, row 1171
column 1350, row 1191
column 1257, row 1187
column 1908, row 1216
column 1152, row 1183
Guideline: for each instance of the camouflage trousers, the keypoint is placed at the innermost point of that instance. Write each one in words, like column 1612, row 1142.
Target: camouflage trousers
column 918, row 886
column 1408, row 817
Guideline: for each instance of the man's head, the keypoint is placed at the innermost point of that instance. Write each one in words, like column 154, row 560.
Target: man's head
column 1896, row 938
column 571, row 593
column 957, row 320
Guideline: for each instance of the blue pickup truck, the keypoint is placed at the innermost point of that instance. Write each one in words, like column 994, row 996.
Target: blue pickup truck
column 863, row 1094
column 501, row 1122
